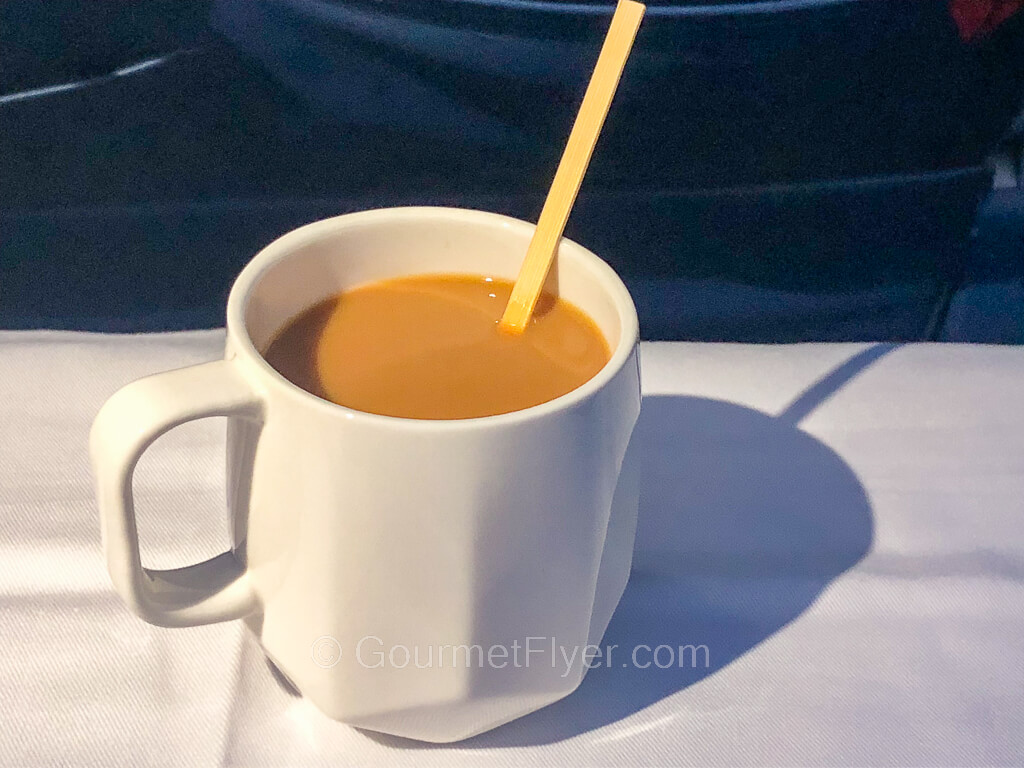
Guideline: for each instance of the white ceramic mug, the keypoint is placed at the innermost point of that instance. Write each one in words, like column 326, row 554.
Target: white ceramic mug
column 362, row 543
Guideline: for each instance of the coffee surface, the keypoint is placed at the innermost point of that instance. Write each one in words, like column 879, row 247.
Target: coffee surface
column 429, row 347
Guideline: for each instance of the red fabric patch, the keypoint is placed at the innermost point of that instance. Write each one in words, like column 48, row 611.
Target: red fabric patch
column 976, row 18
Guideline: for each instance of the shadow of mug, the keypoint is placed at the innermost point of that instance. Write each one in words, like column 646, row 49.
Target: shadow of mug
column 744, row 520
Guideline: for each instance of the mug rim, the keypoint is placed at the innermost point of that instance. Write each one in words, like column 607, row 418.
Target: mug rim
column 288, row 243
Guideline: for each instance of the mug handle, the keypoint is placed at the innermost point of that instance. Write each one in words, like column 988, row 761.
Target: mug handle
column 218, row 589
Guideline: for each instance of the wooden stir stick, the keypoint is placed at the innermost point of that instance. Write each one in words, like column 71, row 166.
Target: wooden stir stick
column 573, row 165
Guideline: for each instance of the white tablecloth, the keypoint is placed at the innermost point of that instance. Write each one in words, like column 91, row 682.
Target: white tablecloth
column 841, row 526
